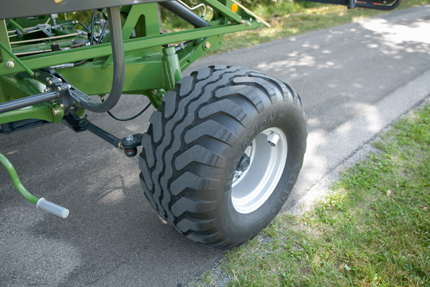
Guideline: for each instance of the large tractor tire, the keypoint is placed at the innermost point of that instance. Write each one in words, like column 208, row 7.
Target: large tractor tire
column 222, row 154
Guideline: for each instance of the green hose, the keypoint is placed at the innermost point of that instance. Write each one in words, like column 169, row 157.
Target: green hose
column 15, row 179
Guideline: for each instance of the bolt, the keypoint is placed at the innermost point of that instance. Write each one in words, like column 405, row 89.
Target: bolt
column 228, row 22
column 154, row 92
column 69, row 86
column 244, row 163
column 248, row 24
column 10, row 64
column 47, row 90
column 37, row 74
column 62, row 106
column 273, row 139
column 59, row 79
column 129, row 138
column 50, row 82
column 56, row 111
column 207, row 45
column 58, row 1
column 59, row 89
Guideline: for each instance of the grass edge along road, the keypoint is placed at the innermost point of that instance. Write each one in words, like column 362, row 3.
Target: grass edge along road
column 373, row 229
column 289, row 18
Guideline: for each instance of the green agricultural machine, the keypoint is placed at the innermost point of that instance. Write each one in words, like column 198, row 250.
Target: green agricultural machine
column 225, row 145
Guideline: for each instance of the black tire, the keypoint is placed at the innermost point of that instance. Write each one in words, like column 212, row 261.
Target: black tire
column 196, row 140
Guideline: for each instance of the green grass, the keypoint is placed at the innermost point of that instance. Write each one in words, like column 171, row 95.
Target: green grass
column 372, row 230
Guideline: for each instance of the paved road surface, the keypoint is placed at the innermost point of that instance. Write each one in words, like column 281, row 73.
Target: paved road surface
column 354, row 80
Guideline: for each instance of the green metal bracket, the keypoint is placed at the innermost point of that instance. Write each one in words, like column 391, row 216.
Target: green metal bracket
column 39, row 112
column 143, row 18
column 155, row 97
column 4, row 38
column 24, row 66
column 223, row 10
column 16, row 25
column 171, row 67
column 74, row 55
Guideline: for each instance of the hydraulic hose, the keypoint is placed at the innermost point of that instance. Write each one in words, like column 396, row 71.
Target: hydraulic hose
column 118, row 65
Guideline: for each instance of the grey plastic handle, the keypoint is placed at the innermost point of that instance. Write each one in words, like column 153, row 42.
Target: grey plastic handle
column 52, row 208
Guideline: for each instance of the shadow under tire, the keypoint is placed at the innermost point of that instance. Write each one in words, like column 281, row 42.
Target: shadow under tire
column 222, row 154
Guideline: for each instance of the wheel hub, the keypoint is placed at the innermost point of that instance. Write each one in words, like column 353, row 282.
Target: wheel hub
column 244, row 163
column 259, row 170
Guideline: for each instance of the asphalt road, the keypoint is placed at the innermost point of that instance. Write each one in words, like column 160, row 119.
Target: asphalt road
column 354, row 81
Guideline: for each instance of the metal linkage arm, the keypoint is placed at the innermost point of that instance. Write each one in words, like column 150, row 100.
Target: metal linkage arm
column 28, row 101
column 128, row 144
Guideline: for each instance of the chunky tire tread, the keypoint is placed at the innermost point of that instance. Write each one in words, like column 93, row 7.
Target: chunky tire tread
column 188, row 131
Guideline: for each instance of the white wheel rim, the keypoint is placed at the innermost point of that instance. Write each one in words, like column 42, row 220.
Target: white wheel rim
column 252, row 187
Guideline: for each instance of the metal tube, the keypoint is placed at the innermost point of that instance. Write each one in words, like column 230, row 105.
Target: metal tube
column 185, row 14
column 15, row 179
column 118, row 64
column 43, row 39
column 40, row 203
column 28, row 101
column 101, row 133
column 16, row 25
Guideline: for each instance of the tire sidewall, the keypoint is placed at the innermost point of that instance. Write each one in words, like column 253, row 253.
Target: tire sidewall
column 289, row 118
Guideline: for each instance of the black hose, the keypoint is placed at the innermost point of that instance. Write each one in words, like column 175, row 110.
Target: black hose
column 92, row 26
column 102, row 33
column 82, row 24
column 130, row 118
column 118, row 65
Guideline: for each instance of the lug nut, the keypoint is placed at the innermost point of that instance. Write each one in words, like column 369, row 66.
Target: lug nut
column 273, row 139
column 244, row 163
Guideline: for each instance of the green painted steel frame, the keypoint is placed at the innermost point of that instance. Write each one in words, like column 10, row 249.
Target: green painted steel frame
column 150, row 69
